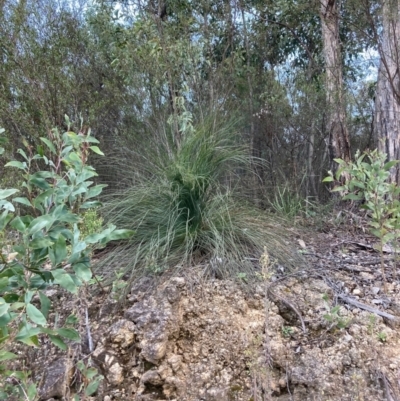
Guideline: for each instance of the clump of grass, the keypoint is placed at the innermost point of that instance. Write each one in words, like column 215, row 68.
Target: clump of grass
column 184, row 207
column 289, row 204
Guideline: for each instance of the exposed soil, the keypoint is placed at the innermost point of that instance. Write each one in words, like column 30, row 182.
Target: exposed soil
column 328, row 332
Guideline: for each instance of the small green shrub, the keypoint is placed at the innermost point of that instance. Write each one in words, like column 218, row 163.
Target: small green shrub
column 382, row 336
column 368, row 182
column 91, row 222
column 51, row 250
column 333, row 316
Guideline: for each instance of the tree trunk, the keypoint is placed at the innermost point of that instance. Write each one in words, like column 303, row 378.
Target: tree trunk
column 387, row 101
column 339, row 142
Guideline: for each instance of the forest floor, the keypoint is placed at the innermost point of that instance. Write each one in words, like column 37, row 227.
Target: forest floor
column 328, row 331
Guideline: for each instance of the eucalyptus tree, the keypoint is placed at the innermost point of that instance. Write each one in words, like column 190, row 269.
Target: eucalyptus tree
column 339, row 139
column 387, row 104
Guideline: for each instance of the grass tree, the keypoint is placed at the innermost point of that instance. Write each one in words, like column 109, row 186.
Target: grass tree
column 184, row 206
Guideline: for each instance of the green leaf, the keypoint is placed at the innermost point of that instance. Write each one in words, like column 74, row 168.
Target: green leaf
column 71, row 320
column 6, row 205
column 35, row 315
column 56, row 340
column 58, row 253
column 355, row 197
column 22, row 152
column 71, row 334
column 89, row 205
column 23, row 201
column 87, row 173
column 358, row 184
column 39, row 223
column 15, row 306
column 95, row 191
column 3, row 285
column 39, row 243
column 6, row 319
column 64, row 280
column 4, row 306
column 5, row 218
column 83, row 271
column 79, row 247
column 94, row 238
column 28, row 334
column 97, row 150
column 39, row 182
column 92, row 387
column 339, row 161
column 328, row 179
column 340, row 188
column 14, row 163
column 28, row 296
column 45, row 304
column 73, row 157
column 49, row 145
column 5, row 355
column 390, row 164
column 11, row 298
column 90, row 373
column 120, row 235
column 5, row 193
column 31, row 391
column 32, row 341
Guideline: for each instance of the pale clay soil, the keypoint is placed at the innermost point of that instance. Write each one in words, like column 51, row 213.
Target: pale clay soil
column 185, row 338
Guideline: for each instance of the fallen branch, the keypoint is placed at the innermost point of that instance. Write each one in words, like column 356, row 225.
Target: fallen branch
column 368, row 308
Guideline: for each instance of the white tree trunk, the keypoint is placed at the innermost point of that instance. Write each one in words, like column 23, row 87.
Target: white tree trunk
column 387, row 101
column 339, row 142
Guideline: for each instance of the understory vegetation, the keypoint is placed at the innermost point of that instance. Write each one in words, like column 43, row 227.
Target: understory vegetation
column 218, row 121
column 186, row 206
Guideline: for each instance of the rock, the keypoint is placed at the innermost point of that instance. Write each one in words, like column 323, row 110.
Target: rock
column 110, row 364
column 122, row 333
column 57, row 378
column 367, row 276
column 152, row 377
column 153, row 351
column 115, row 373
column 175, row 361
column 172, row 293
column 356, row 291
column 178, row 281
column 217, row 394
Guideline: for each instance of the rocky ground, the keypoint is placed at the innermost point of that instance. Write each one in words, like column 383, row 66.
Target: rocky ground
column 326, row 332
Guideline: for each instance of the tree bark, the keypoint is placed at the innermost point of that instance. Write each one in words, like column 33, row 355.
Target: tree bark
column 387, row 100
column 339, row 142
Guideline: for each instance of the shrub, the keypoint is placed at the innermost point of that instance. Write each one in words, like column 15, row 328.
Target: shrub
column 51, row 249
column 368, row 181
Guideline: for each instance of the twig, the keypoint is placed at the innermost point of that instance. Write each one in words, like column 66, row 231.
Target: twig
column 285, row 301
column 368, row 308
column 89, row 336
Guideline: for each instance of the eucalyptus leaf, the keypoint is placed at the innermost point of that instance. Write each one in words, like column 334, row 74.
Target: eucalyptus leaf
column 45, row 304
column 5, row 193
column 5, row 355
column 56, row 340
column 70, row 334
column 58, row 252
column 64, row 280
column 35, row 315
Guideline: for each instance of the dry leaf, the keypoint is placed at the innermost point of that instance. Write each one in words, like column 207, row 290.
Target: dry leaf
column 302, row 243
